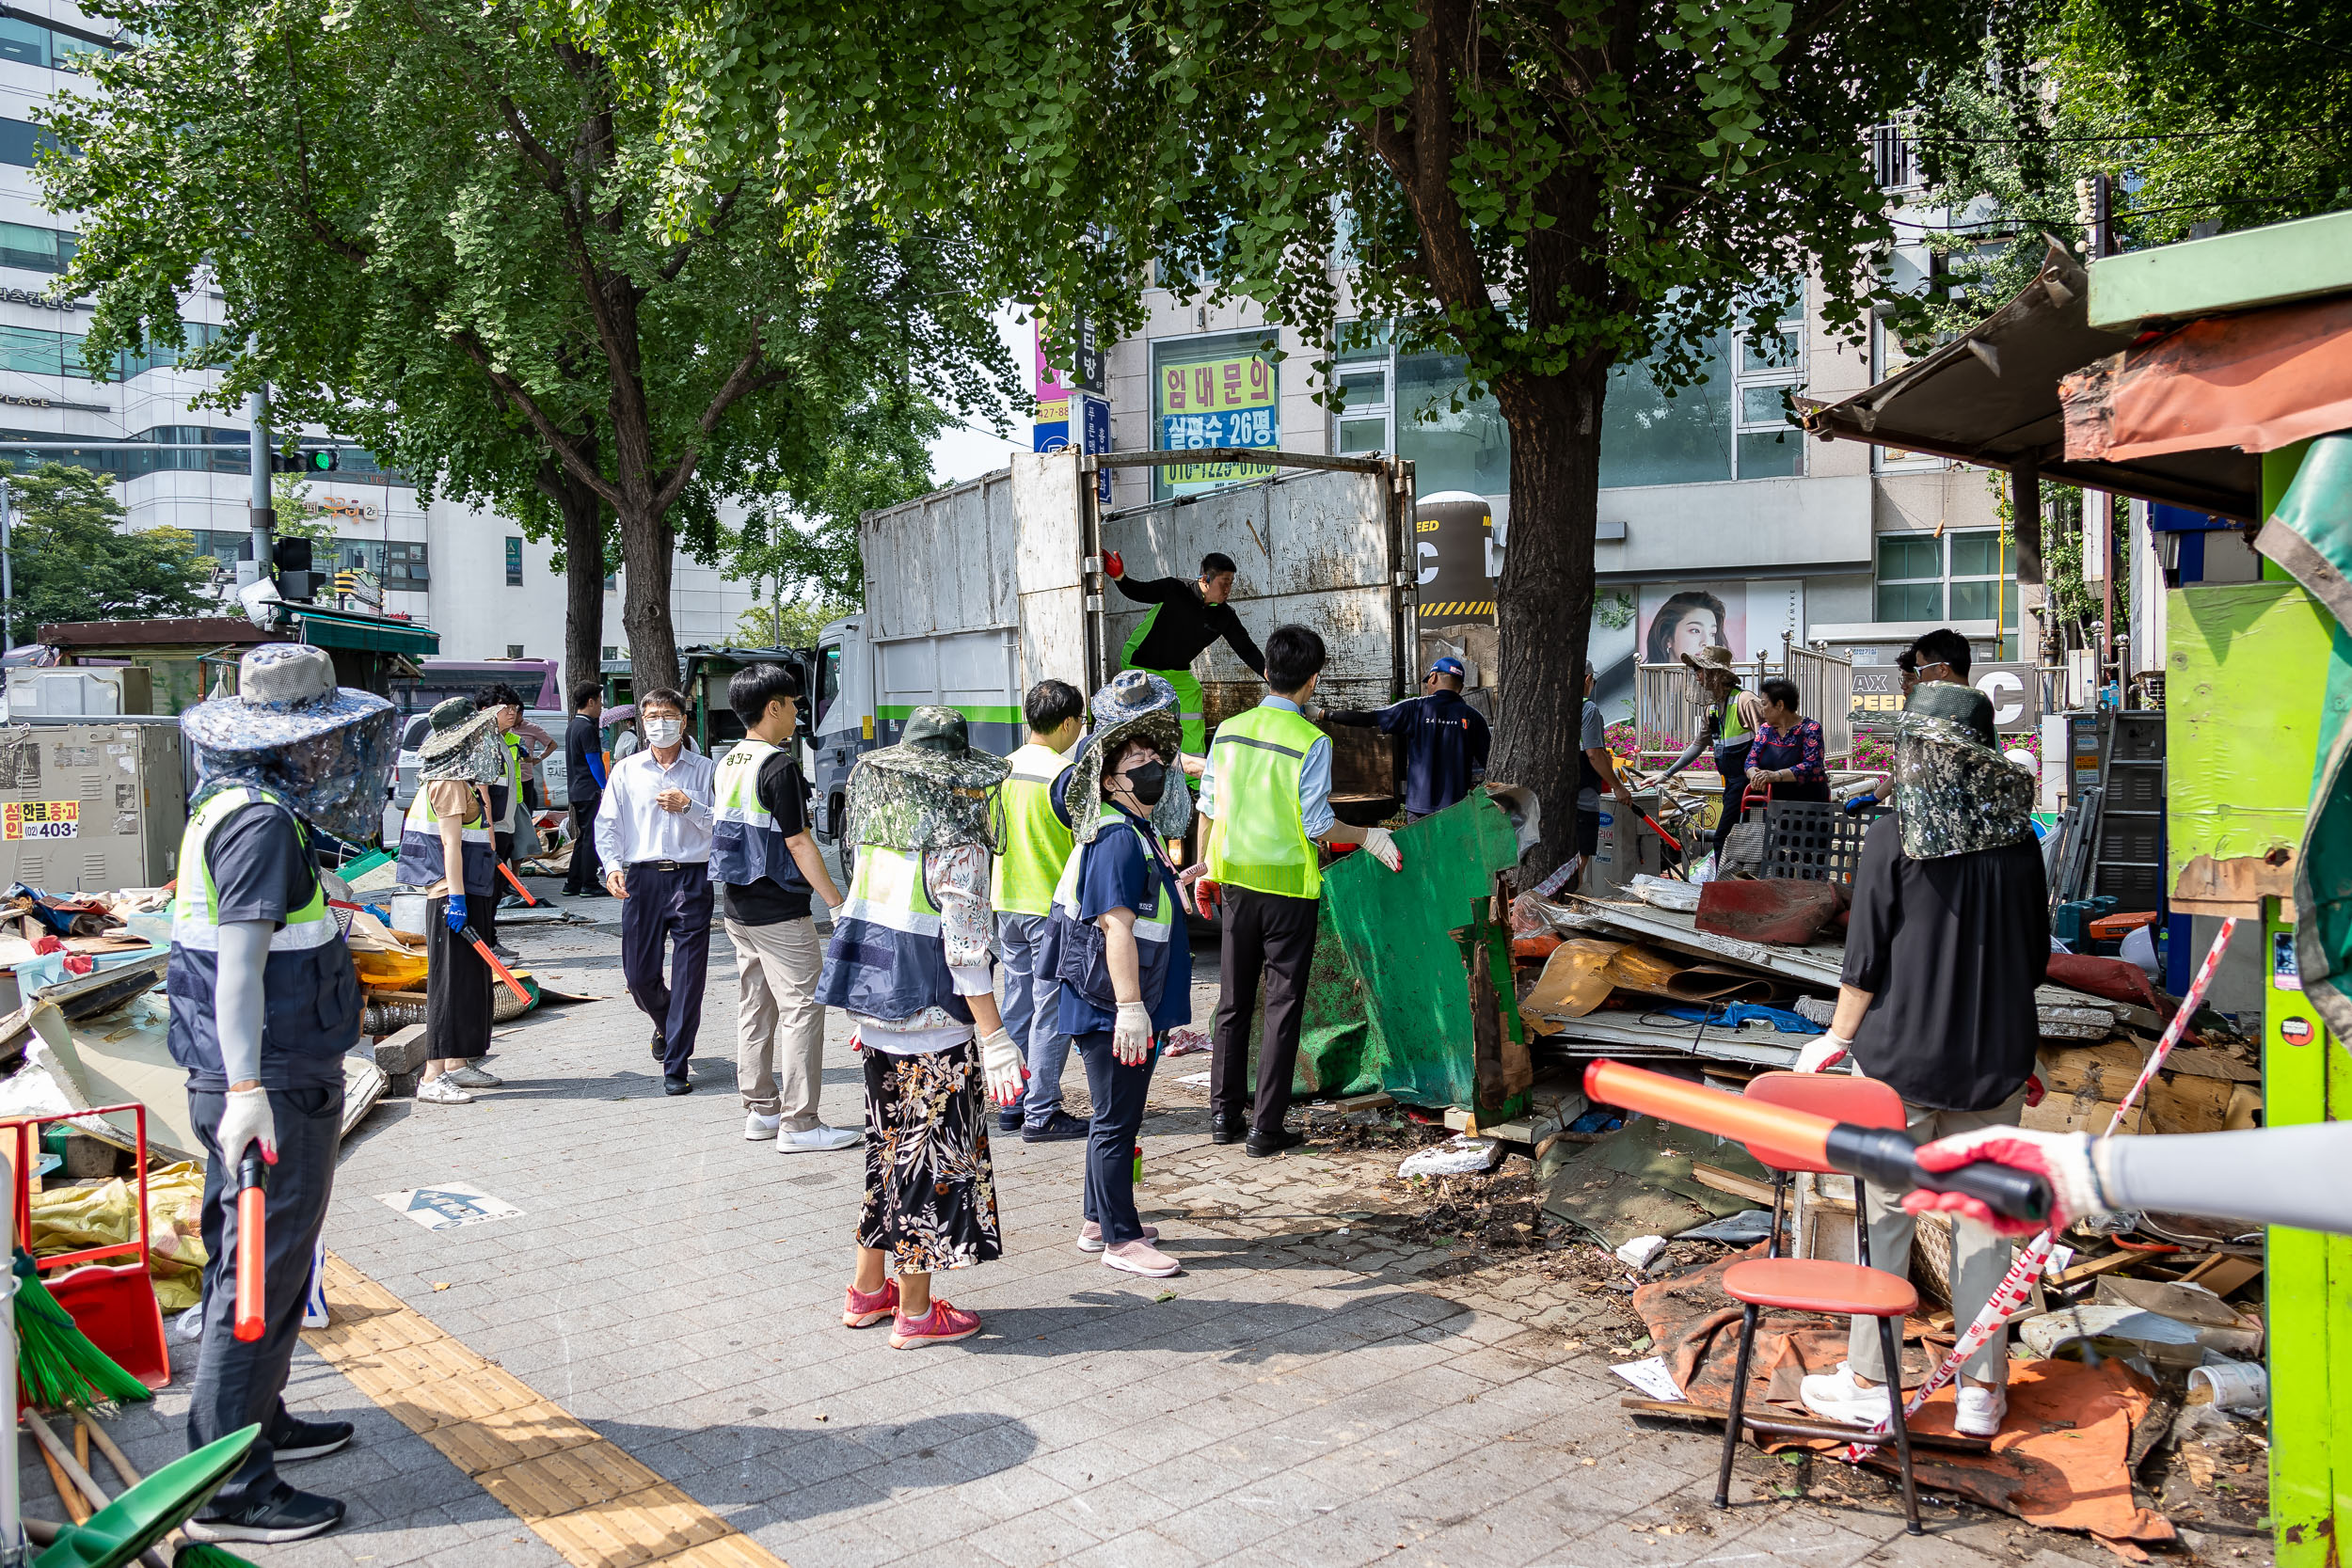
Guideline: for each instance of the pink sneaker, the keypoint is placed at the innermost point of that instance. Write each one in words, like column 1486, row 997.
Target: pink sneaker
column 1090, row 1236
column 865, row 1311
column 943, row 1325
column 1141, row 1258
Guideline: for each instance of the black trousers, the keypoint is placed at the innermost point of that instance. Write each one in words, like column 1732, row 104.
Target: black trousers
column 1274, row 937
column 668, row 908
column 1732, row 763
column 587, row 872
column 1117, row 1092
column 458, row 1000
column 239, row 1383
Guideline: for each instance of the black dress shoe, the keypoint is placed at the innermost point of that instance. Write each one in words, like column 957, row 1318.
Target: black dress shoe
column 1009, row 1121
column 1259, row 1146
column 676, row 1085
column 286, row 1515
column 1227, row 1130
column 310, row 1440
column 660, row 1046
column 1061, row 1127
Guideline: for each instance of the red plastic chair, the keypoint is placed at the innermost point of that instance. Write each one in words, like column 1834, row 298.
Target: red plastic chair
column 1811, row 1285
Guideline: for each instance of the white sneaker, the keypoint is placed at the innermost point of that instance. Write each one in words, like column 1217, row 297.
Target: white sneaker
column 1982, row 1410
column 816, row 1140
column 1833, row 1395
column 473, row 1078
column 1141, row 1258
column 1090, row 1236
column 443, row 1091
column 757, row 1127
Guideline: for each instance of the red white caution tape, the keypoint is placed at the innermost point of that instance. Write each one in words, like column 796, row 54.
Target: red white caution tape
column 2016, row 1285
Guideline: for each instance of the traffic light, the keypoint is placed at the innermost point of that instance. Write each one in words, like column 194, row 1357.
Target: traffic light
column 290, row 553
column 310, row 460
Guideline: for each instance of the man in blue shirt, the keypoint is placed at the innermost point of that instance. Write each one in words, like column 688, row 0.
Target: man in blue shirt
column 1445, row 739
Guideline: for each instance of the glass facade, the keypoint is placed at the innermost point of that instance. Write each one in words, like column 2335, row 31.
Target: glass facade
column 30, row 42
column 1965, row 576
column 36, row 250
column 1733, row 423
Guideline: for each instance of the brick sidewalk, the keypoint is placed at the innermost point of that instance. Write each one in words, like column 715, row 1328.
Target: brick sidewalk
column 1297, row 1398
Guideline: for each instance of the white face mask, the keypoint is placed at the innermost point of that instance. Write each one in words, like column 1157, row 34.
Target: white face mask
column 665, row 731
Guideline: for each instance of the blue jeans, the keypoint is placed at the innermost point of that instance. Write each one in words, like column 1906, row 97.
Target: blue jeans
column 1117, row 1092
column 1032, row 1006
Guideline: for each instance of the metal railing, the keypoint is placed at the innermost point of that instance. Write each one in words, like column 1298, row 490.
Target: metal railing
column 1669, row 707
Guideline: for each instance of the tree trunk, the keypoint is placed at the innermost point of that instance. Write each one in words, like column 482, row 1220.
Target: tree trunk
column 648, row 544
column 583, row 585
column 1545, row 603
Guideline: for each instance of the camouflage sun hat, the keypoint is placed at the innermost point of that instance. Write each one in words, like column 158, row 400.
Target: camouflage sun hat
column 1954, row 793
column 462, row 743
column 1134, row 706
column 932, row 790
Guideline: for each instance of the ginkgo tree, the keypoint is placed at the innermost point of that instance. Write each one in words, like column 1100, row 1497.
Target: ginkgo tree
column 438, row 228
column 1549, row 189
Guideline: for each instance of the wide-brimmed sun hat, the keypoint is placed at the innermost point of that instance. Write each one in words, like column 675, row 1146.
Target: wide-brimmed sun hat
column 930, row 790
column 1712, row 660
column 463, row 743
column 1954, row 792
column 1136, row 704
column 290, row 729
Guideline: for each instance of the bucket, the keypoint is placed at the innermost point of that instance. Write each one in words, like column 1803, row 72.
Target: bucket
column 408, row 912
column 2240, row 1385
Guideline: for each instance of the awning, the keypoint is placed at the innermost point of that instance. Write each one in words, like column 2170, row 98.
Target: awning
column 367, row 634
column 2259, row 380
column 1991, row 396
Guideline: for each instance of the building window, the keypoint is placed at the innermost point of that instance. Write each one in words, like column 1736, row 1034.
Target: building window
column 611, row 649
column 1770, row 444
column 515, row 563
column 29, row 42
column 1419, row 406
column 20, row 141
column 36, row 250
column 612, row 582
column 1965, row 575
column 1214, row 391
column 405, row 567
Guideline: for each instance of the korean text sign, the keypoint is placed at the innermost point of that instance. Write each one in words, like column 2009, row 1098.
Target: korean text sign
column 1225, row 400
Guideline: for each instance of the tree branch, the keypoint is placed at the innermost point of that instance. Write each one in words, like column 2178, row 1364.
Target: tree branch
column 742, row 382
column 512, row 392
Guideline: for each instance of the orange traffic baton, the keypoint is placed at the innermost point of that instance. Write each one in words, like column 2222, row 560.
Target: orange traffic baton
column 252, row 1245
column 496, row 968
column 508, row 872
column 1801, row 1140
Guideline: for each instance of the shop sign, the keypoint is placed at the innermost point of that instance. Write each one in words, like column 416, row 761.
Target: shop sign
column 27, row 819
column 1224, row 401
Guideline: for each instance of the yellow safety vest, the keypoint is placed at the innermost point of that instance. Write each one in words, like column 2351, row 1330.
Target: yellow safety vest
column 1037, row 843
column 1259, row 839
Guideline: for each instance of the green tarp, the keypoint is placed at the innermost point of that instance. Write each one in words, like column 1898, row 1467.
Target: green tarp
column 1388, row 1000
column 2310, row 535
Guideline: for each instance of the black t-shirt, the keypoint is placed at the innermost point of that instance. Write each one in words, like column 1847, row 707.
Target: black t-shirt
column 259, row 868
column 1951, row 950
column 764, row 902
column 582, row 739
column 1184, row 624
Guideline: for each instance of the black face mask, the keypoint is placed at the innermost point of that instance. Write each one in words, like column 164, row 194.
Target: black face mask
column 1148, row 782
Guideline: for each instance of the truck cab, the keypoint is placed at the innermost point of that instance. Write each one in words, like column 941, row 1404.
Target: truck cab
column 841, row 719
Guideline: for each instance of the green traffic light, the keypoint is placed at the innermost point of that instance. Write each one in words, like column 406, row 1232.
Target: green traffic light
column 324, row 462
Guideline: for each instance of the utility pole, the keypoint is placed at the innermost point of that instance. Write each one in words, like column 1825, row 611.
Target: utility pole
column 262, row 519
column 2094, row 200
column 7, row 566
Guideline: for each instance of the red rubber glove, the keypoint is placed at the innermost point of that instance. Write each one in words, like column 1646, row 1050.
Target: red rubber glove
column 1113, row 564
column 2064, row 1159
column 2034, row 1091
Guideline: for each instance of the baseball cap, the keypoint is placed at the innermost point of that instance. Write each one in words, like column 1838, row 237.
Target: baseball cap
column 1447, row 666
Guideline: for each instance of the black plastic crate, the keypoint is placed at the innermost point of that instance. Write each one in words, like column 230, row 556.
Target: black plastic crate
column 1815, row 841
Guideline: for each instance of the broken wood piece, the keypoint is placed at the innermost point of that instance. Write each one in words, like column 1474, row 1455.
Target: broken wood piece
column 1376, row 1101
column 1755, row 1192
column 1772, row 1424
column 2223, row 1272
column 1462, row 1121
column 2098, row 1266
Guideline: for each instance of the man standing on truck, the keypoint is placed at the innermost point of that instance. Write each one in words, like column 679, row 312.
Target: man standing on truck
column 1185, row 618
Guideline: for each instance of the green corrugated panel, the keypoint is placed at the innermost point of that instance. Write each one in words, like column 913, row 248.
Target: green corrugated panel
column 1388, row 1003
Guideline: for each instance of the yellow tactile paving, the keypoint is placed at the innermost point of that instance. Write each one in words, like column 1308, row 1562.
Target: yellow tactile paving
column 579, row 1493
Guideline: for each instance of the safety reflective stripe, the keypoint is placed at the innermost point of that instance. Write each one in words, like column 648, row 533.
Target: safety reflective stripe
column 195, row 914
column 1156, row 929
column 887, row 890
column 421, row 816
column 1037, row 843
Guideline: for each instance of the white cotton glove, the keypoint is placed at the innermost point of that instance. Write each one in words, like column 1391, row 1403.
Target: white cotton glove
column 246, row 1120
column 1131, row 1033
column 1000, row 1059
column 2065, row 1160
column 1381, row 844
column 1823, row 1053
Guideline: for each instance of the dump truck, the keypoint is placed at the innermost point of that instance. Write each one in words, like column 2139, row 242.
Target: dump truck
column 977, row 591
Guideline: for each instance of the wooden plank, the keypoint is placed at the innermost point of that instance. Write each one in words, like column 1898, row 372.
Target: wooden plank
column 2222, row 1273
column 2108, row 1264
column 1758, row 1193
column 1771, row 1422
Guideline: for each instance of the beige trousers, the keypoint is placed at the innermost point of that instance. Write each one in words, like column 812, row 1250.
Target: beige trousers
column 778, row 1003
column 1979, row 1257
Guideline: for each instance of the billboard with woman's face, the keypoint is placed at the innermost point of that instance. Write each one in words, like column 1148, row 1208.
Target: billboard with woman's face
column 1683, row 618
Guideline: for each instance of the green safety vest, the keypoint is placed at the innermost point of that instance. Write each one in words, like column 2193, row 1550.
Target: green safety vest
column 1037, row 843
column 195, row 908
column 886, row 960
column 1733, row 727
column 1259, row 838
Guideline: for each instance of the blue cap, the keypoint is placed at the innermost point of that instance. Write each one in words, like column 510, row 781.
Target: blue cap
column 1447, row 666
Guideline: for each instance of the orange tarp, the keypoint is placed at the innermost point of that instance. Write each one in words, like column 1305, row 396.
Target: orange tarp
column 2257, row 381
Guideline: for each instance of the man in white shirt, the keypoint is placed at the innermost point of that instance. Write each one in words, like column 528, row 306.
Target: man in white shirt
column 653, row 835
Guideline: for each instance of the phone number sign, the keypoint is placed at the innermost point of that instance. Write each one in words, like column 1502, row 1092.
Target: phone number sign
column 22, row 819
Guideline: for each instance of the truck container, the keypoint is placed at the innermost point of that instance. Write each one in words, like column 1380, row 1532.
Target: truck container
column 977, row 591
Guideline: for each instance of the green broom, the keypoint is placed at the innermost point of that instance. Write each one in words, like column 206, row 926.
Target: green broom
column 56, row 1364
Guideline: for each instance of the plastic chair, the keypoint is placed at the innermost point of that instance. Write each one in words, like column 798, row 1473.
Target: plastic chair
column 1812, row 1285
